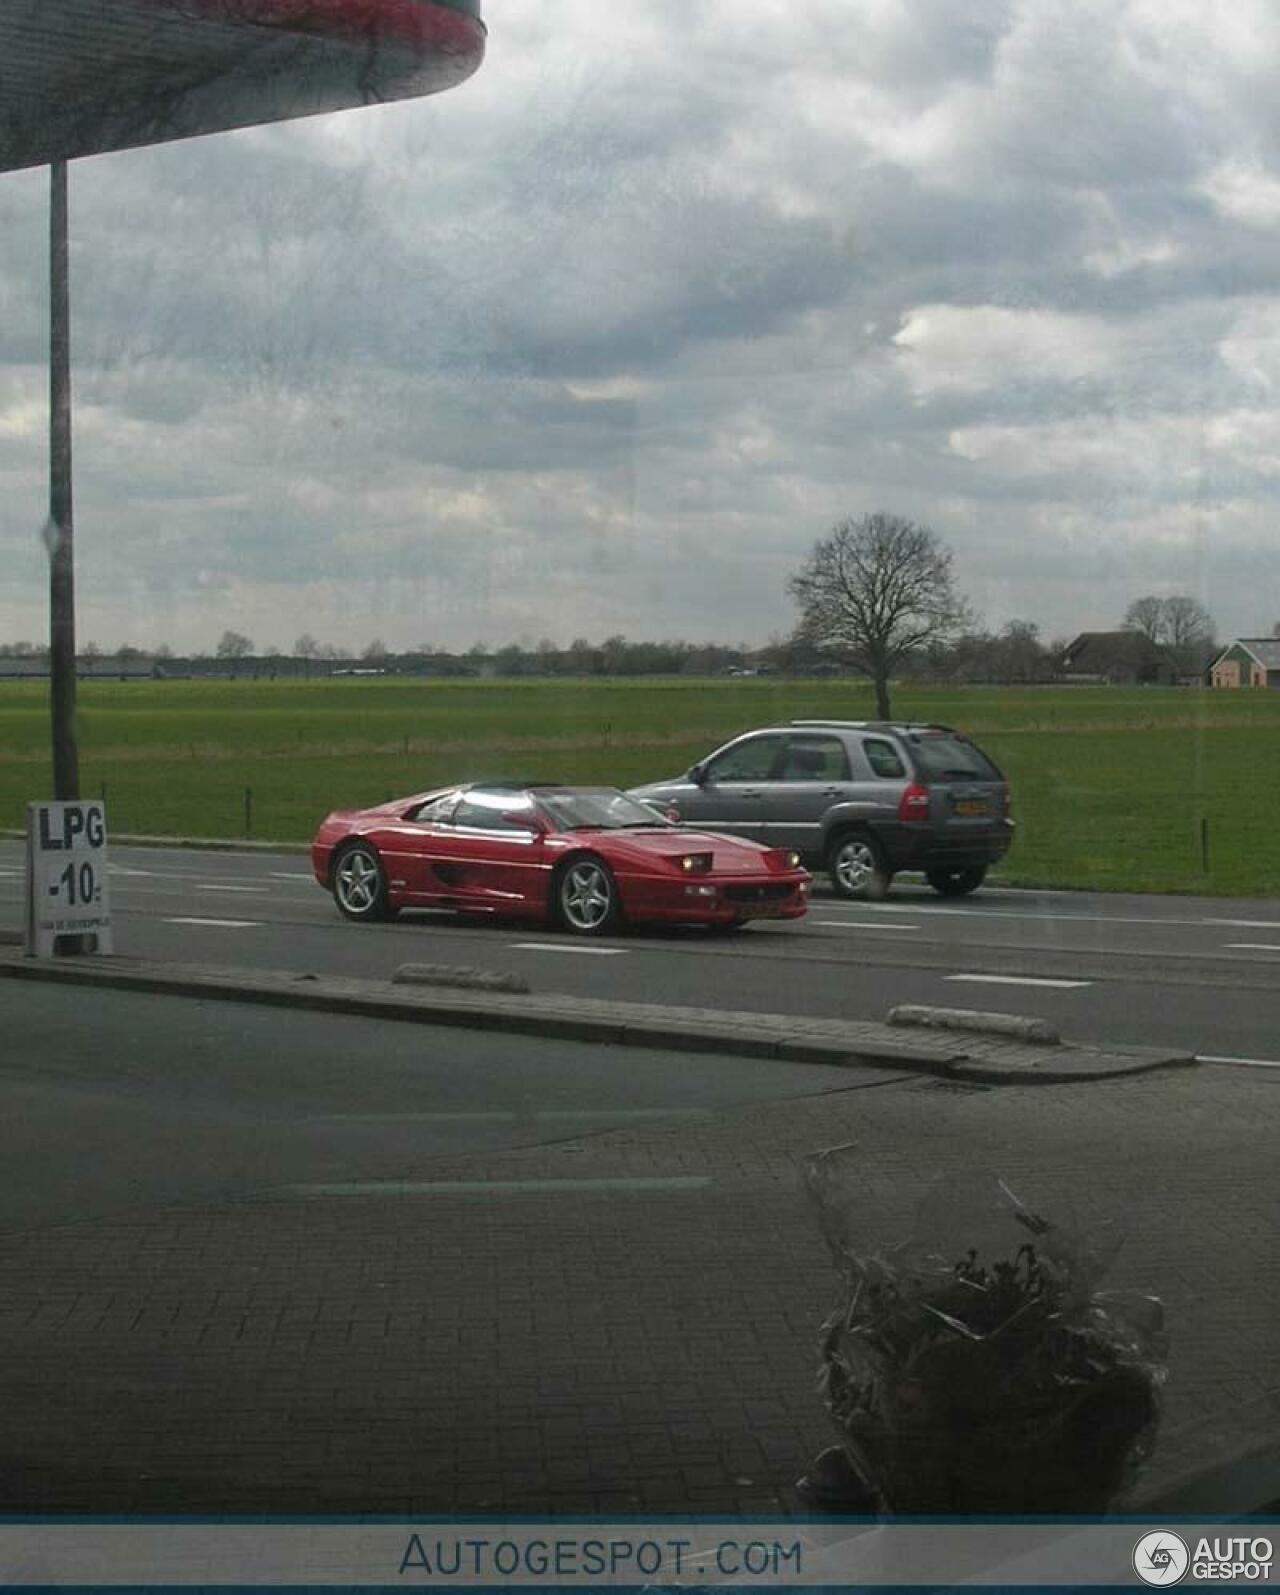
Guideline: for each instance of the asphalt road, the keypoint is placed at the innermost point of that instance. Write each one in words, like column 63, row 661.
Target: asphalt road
column 1198, row 973
column 116, row 1101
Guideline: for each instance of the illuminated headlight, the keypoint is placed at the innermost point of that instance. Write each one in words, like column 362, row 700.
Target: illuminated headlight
column 793, row 861
column 696, row 863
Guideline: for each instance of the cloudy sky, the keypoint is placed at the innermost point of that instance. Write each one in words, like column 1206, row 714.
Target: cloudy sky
column 604, row 339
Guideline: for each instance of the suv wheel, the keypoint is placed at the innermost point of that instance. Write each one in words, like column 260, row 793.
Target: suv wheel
column 857, row 866
column 956, row 882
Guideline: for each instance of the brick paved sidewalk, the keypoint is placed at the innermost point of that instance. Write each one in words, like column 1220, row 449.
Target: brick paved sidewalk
column 595, row 1348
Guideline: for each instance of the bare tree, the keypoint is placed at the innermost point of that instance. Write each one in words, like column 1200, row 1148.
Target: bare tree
column 234, row 645
column 1147, row 616
column 1188, row 625
column 875, row 591
column 1180, row 624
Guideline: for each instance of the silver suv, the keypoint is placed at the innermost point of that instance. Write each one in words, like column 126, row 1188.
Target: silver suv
column 862, row 799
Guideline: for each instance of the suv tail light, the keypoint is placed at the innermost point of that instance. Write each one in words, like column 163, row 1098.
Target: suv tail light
column 914, row 803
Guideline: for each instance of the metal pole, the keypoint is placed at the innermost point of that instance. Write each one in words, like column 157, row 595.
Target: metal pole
column 62, row 590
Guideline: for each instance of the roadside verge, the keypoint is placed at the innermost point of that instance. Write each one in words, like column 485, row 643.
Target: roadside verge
column 980, row 1059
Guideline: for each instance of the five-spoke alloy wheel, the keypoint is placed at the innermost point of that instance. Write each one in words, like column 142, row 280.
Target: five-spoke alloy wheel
column 586, row 897
column 360, row 883
column 857, row 867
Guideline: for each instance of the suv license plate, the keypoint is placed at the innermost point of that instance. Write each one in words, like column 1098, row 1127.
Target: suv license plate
column 973, row 806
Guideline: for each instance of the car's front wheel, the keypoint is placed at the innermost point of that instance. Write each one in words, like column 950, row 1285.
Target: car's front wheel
column 360, row 883
column 956, row 882
column 858, row 868
column 586, row 897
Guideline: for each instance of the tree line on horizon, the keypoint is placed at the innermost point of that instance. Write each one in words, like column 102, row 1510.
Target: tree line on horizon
column 877, row 599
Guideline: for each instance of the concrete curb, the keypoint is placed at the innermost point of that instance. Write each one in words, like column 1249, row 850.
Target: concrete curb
column 849, row 1044
column 1017, row 1027
column 463, row 976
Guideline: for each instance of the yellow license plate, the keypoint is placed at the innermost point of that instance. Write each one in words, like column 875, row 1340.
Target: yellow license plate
column 973, row 807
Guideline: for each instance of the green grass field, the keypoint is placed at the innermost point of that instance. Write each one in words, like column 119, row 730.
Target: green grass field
column 1113, row 788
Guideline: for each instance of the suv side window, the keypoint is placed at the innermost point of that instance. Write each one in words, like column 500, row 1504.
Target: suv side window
column 883, row 758
column 752, row 760
column 812, row 758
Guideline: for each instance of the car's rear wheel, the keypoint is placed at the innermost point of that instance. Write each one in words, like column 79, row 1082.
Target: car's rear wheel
column 858, row 868
column 360, row 883
column 586, row 897
column 956, row 882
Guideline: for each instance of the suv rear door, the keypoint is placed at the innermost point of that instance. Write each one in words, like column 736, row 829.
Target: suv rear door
column 811, row 776
column 967, row 793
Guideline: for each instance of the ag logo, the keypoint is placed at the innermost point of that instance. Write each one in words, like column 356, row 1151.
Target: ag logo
column 1161, row 1558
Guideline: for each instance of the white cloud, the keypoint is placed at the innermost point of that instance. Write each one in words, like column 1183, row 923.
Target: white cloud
column 663, row 284
column 975, row 349
column 1247, row 194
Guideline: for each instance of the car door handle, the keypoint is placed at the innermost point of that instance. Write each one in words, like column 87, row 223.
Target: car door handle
column 833, row 791
column 752, row 792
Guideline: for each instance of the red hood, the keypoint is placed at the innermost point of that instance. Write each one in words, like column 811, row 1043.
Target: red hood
column 730, row 855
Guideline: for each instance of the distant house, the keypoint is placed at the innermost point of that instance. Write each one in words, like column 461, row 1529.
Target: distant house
column 1116, row 658
column 1247, row 662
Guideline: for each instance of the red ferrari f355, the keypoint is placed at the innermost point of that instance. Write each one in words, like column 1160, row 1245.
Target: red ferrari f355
column 589, row 858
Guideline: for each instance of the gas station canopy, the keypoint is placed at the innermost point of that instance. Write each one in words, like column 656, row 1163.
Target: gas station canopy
column 81, row 77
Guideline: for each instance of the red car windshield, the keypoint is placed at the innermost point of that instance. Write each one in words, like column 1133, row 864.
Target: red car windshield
column 598, row 808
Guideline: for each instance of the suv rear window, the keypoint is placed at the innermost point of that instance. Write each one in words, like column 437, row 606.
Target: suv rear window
column 950, row 758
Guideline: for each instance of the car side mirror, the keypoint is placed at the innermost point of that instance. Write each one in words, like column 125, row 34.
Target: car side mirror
column 698, row 775
column 526, row 822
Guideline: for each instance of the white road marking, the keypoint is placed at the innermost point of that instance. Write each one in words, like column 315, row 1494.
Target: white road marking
column 1044, row 916
column 566, row 947
column 290, row 875
column 1020, row 980
column 860, row 924
column 1254, row 946
column 514, row 1116
column 1247, row 924
column 1244, row 1063
column 639, row 1183
column 124, row 869
column 215, row 886
column 226, row 924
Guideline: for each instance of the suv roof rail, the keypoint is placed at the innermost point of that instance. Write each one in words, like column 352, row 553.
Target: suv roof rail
column 881, row 725
column 859, row 724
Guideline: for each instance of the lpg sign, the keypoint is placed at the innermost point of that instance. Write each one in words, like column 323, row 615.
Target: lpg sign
column 66, row 876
